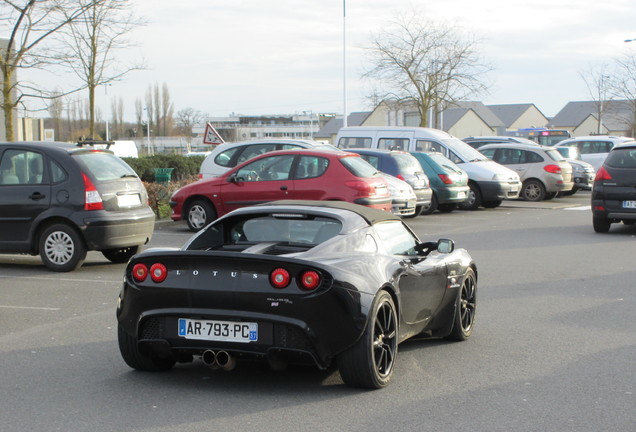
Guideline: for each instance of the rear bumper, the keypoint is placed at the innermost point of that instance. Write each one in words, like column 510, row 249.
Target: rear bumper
column 110, row 230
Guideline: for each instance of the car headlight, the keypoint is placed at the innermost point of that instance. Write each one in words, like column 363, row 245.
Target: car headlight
column 506, row 177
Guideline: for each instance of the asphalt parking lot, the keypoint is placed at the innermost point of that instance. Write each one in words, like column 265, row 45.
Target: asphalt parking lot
column 553, row 346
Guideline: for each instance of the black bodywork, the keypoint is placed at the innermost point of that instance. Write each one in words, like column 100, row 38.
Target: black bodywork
column 215, row 277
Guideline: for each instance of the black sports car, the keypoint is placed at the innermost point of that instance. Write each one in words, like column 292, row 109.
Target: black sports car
column 296, row 282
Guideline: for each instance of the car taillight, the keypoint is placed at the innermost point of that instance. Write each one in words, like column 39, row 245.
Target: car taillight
column 445, row 178
column 279, row 278
column 309, row 280
column 602, row 174
column 362, row 188
column 554, row 169
column 158, row 272
column 92, row 198
column 401, row 177
column 140, row 272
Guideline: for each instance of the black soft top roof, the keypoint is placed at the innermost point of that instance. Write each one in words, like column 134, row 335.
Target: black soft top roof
column 369, row 214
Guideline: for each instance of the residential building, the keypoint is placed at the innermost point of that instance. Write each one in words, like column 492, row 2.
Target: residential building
column 582, row 118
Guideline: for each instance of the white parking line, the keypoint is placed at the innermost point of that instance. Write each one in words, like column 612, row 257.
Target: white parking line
column 29, row 307
column 60, row 279
column 579, row 208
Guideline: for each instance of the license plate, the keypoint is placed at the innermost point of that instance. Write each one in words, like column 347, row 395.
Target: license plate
column 461, row 194
column 129, row 200
column 629, row 204
column 410, row 204
column 220, row 331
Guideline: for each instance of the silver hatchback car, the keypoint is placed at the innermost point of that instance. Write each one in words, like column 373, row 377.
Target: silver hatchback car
column 228, row 155
column 544, row 172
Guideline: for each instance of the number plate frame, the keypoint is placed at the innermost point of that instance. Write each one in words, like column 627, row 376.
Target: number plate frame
column 217, row 330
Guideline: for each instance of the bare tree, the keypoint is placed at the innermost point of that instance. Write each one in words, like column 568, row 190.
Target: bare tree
column 56, row 112
column 597, row 80
column 186, row 119
column 426, row 64
column 139, row 117
column 623, row 85
column 30, row 24
column 94, row 40
column 166, row 110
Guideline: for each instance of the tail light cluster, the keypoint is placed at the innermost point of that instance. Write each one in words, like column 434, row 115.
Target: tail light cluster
column 92, row 198
column 308, row 279
column 602, row 174
column 158, row 272
column 551, row 168
column 446, row 179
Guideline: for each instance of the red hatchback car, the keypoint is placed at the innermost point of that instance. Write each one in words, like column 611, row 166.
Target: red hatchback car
column 287, row 174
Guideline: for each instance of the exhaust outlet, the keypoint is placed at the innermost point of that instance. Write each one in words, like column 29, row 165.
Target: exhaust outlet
column 209, row 358
column 225, row 361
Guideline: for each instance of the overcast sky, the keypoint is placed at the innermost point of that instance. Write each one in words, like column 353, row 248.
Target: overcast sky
column 286, row 56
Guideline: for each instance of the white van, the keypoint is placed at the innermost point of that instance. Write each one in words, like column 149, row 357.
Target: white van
column 489, row 182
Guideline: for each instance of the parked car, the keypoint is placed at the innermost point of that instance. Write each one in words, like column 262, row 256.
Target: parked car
column 476, row 142
column 61, row 200
column 403, row 198
column 489, row 182
column 296, row 282
column 284, row 174
column 614, row 191
column 228, row 155
column 448, row 181
column 594, row 149
column 543, row 170
column 583, row 173
column 403, row 166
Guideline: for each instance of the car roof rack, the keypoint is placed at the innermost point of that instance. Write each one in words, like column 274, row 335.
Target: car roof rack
column 91, row 142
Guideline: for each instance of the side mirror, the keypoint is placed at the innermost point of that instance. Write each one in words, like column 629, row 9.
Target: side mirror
column 234, row 179
column 445, row 246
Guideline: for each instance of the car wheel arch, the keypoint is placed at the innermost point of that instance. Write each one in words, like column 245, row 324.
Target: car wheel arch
column 40, row 226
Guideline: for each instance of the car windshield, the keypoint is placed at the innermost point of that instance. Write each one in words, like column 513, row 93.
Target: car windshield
column 465, row 152
column 104, row 166
column 358, row 166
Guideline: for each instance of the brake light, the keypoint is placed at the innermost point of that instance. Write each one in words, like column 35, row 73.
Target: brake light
column 445, row 178
column 554, row 169
column 310, row 280
column 279, row 278
column 140, row 272
column 602, row 174
column 362, row 188
column 92, row 198
column 158, row 272
column 401, row 177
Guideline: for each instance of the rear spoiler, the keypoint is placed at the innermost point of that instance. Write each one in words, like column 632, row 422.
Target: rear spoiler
column 93, row 142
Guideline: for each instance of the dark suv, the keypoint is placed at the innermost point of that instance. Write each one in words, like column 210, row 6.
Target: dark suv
column 62, row 200
column 614, row 190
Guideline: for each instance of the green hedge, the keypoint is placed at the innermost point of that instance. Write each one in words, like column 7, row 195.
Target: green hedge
column 184, row 167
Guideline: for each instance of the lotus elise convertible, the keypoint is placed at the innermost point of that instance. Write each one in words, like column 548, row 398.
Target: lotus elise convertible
column 296, row 282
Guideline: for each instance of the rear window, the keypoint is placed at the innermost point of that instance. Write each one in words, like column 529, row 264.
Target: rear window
column 623, row 158
column 407, row 163
column 358, row 166
column 446, row 164
column 555, row 155
column 103, row 166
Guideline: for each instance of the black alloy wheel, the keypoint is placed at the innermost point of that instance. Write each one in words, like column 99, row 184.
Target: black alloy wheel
column 370, row 362
column 465, row 310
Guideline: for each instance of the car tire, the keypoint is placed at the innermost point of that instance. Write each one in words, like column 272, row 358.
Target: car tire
column 138, row 360
column 62, row 248
column 492, row 204
column 447, row 208
column 200, row 213
column 121, row 255
column 429, row 209
column 571, row 191
column 464, row 319
column 473, row 202
column 601, row 224
column 533, row 190
column 370, row 362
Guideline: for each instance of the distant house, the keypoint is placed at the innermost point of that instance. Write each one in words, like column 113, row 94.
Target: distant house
column 328, row 132
column 582, row 118
column 519, row 116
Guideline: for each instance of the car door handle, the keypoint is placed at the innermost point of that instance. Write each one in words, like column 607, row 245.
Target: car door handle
column 283, row 188
column 36, row 196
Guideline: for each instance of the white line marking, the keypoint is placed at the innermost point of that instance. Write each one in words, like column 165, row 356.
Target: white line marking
column 29, row 307
column 579, row 208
